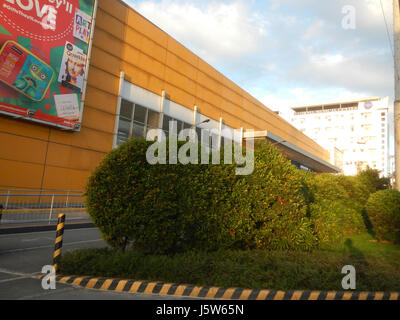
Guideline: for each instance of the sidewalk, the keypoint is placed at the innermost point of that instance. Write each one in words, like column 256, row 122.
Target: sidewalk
column 41, row 226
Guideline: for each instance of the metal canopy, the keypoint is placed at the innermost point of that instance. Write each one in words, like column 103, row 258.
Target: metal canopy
column 295, row 153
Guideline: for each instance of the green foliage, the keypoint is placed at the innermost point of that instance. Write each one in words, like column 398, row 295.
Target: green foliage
column 335, row 206
column 169, row 208
column 160, row 208
column 383, row 209
column 370, row 178
column 272, row 208
column 166, row 208
column 377, row 267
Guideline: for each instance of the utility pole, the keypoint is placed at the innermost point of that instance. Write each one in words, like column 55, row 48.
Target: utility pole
column 396, row 36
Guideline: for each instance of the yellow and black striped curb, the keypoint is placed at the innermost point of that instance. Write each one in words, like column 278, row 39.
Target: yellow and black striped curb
column 185, row 290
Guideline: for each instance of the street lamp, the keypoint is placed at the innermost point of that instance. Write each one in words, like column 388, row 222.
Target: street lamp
column 201, row 122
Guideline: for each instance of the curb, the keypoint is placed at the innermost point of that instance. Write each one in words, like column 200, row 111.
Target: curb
column 186, row 290
column 39, row 228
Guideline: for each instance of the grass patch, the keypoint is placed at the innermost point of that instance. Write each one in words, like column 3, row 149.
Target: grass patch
column 377, row 266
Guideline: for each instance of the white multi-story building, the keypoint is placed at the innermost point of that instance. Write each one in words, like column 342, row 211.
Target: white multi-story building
column 355, row 131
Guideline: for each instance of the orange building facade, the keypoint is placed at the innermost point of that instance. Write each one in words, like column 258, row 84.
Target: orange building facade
column 34, row 156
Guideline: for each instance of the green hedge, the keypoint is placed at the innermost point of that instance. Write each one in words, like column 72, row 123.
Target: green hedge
column 173, row 208
column 371, row 179
column 271, row 204
column 335, row 206
column 160, row 208
column 383, row 209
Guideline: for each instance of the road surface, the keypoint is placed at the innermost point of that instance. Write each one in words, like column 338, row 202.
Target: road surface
column 23, row 255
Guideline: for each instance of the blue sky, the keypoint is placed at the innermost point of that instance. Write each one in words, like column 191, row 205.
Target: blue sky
column 285, row 52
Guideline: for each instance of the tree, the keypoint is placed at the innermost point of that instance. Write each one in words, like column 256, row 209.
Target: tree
column 371, row 179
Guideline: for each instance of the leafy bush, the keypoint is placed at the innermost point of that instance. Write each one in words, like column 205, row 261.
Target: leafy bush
column 371, row 179
column 169, row 208
column 159, row 208
column 383, row 209
column 357, row 192
column 174, row 208
column 270, row 203
column 335, row 205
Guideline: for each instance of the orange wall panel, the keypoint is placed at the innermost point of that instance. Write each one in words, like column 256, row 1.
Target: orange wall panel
column 182, row 52
column 98, row 120
column 106, row 21
column 114, row 7
column 101, row 100
column 152, row 49
column 113, row 64
column 133, row 38
column 103, row 80
column 106, row 42
column 176, row 63
column 56, row 178
column 87, row 138
column 151, row 65
column 20, row 174
column 64, row 156
column 24, row 128
column 180, row 81
column 19, row 148
column 144, row 26
column 179, row 96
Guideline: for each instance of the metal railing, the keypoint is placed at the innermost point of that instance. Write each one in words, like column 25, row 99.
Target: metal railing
column 38, row 206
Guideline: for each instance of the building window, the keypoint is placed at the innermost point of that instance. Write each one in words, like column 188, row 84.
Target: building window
column 180, row 125
column 134, row 121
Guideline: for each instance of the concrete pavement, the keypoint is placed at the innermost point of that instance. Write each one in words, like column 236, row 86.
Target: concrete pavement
column 23, row 255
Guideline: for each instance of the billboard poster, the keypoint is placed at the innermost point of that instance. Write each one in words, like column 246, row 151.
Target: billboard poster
column 44, row 49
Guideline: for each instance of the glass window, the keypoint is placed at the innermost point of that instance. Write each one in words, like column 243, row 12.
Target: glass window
column 124, row 128
column 140, row 114
column 153, row 118
column 134, row 120
column 179, row 125
column 126, row 110
column 138, row 131
column 166, row 121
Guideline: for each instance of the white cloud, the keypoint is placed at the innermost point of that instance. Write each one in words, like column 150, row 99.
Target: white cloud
column 213, row 30
column 316, row 29
column 326, row 60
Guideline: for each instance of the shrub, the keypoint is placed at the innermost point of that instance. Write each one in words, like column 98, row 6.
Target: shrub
column 370, row 178
column 174, row 208
column 271, row 205
column 357, row 192
column 162, row 208
column 335, row 205
column 383, row 209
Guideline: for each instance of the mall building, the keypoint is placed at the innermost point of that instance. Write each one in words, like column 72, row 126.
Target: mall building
column 139, row 78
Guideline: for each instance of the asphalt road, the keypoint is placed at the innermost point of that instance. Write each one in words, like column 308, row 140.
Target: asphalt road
column 23, row 255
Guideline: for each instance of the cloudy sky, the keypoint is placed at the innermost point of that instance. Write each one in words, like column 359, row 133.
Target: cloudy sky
column 286, row 52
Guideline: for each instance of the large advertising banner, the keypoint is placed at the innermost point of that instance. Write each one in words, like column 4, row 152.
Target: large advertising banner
column 44, row 49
